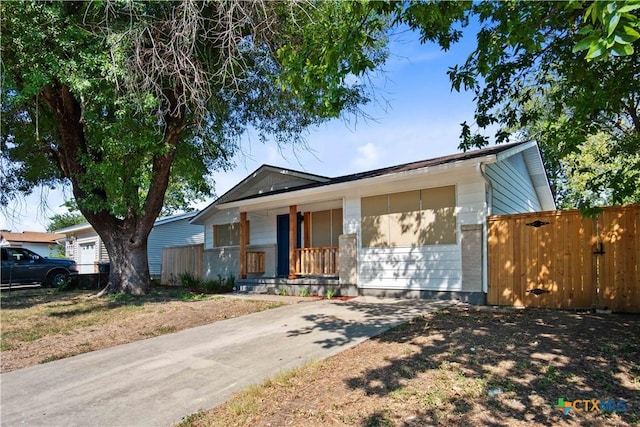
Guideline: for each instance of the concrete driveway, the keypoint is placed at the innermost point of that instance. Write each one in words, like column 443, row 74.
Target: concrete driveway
column 158, row 381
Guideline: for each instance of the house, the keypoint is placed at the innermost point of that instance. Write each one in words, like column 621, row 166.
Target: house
column 412, row 230
column 44, row 244
column 83, row 244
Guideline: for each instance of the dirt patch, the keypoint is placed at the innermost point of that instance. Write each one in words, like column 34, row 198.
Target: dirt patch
column 42, row 325
column 459, row 367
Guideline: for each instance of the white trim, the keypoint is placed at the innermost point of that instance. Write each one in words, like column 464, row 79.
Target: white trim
column 367, row 183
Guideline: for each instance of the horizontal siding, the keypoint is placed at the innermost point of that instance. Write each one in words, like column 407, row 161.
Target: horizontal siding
column 176, row 233
column 434, row 267
column 226, row 216
column 262, row 229
column 471, row 202
column 427, row 268
column 512, row 189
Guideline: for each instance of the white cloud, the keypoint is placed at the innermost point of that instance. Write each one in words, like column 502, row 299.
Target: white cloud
column 368, row 157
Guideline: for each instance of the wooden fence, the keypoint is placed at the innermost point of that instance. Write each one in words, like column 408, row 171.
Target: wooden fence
column 178, row 260
column 561, row 260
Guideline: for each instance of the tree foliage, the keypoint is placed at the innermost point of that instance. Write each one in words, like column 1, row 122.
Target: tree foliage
column 530, row 75
column 67, row 219
column 124, row 101
column 63, row 220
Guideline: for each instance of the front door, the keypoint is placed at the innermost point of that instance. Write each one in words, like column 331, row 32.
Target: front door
column 283, row 243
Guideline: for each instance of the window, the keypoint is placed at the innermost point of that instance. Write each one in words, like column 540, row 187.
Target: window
column 228, row 234
column 326, row 227
column 411, row 218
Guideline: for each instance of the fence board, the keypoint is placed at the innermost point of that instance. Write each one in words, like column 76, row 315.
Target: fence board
column 178, row 260
column 554, row 265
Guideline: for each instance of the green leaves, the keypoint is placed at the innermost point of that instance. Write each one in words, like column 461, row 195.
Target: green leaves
column 613, row 29
column 174, row 84
column 531, row 80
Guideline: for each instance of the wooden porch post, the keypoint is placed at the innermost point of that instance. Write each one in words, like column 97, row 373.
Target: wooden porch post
column 307, row 229
column 293, row 238
column 243, row 245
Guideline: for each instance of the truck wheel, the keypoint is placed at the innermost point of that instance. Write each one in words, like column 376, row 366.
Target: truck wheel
column 56, row 278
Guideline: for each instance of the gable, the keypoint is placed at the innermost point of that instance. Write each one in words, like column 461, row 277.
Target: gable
column 267, row 179
column 519, row 182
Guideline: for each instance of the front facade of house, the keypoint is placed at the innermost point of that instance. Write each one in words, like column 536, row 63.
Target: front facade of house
column 413, row 230
column 83, row 244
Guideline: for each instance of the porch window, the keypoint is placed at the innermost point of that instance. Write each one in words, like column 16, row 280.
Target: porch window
column 326, row 227
column 411, row 218
column 228, row 234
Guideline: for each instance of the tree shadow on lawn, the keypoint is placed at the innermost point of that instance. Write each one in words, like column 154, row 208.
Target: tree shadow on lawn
column 376, row 320
column 527, row 359
column 27, row 298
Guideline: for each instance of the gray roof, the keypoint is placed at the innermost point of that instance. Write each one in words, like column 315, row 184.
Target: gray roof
column 436, row 161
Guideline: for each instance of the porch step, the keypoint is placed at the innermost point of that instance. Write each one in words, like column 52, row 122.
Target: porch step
column 313, row 286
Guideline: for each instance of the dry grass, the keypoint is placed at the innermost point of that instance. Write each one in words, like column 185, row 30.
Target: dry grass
column 41, row 325
column 458, row 367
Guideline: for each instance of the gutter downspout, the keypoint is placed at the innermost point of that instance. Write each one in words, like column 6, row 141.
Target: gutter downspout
column 489, row 207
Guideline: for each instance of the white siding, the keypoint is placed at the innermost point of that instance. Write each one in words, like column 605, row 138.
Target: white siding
column 513, row 191
column 262, row 229
column 434, row 267
column 174, row 233
column 428, row 267
column 226, row 216
column 262, row 225
column 471, row 199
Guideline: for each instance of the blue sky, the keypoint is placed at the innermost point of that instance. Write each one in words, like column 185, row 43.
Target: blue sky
column 416, row 116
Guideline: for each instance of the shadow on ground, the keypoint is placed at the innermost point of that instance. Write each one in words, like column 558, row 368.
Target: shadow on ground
column 372, row 319
column 506, row 367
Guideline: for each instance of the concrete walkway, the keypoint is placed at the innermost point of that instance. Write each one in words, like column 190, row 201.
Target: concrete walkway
column 158, row 381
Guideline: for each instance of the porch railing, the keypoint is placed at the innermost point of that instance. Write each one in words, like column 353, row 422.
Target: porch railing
column 255, row 262
column 317, row 261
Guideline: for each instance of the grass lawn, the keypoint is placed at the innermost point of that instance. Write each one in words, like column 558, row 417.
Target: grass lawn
column 43, row 324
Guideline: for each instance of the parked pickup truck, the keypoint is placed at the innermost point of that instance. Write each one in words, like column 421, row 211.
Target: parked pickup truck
column 22, row 266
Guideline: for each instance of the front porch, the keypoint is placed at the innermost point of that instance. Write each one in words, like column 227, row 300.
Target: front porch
column 309, row 256
column 297, row 256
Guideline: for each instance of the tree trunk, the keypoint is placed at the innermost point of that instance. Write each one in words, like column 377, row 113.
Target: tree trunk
column 129, row 263
column 125, row 238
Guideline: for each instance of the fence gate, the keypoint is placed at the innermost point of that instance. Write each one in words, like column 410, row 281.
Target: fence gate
column 561, row 260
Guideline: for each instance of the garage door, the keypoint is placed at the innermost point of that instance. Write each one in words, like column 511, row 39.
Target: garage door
column 87, row 258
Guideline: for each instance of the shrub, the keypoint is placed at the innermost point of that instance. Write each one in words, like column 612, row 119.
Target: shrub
column 210, row 286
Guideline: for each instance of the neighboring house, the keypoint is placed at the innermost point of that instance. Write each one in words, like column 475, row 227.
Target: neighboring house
column 83, row 244
column 412, row 230
column 44, row 244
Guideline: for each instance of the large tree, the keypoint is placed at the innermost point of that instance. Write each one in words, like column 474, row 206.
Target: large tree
column 559, row 72
column 122, row 100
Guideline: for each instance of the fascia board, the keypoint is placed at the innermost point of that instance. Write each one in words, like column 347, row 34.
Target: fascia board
column 279, row 199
